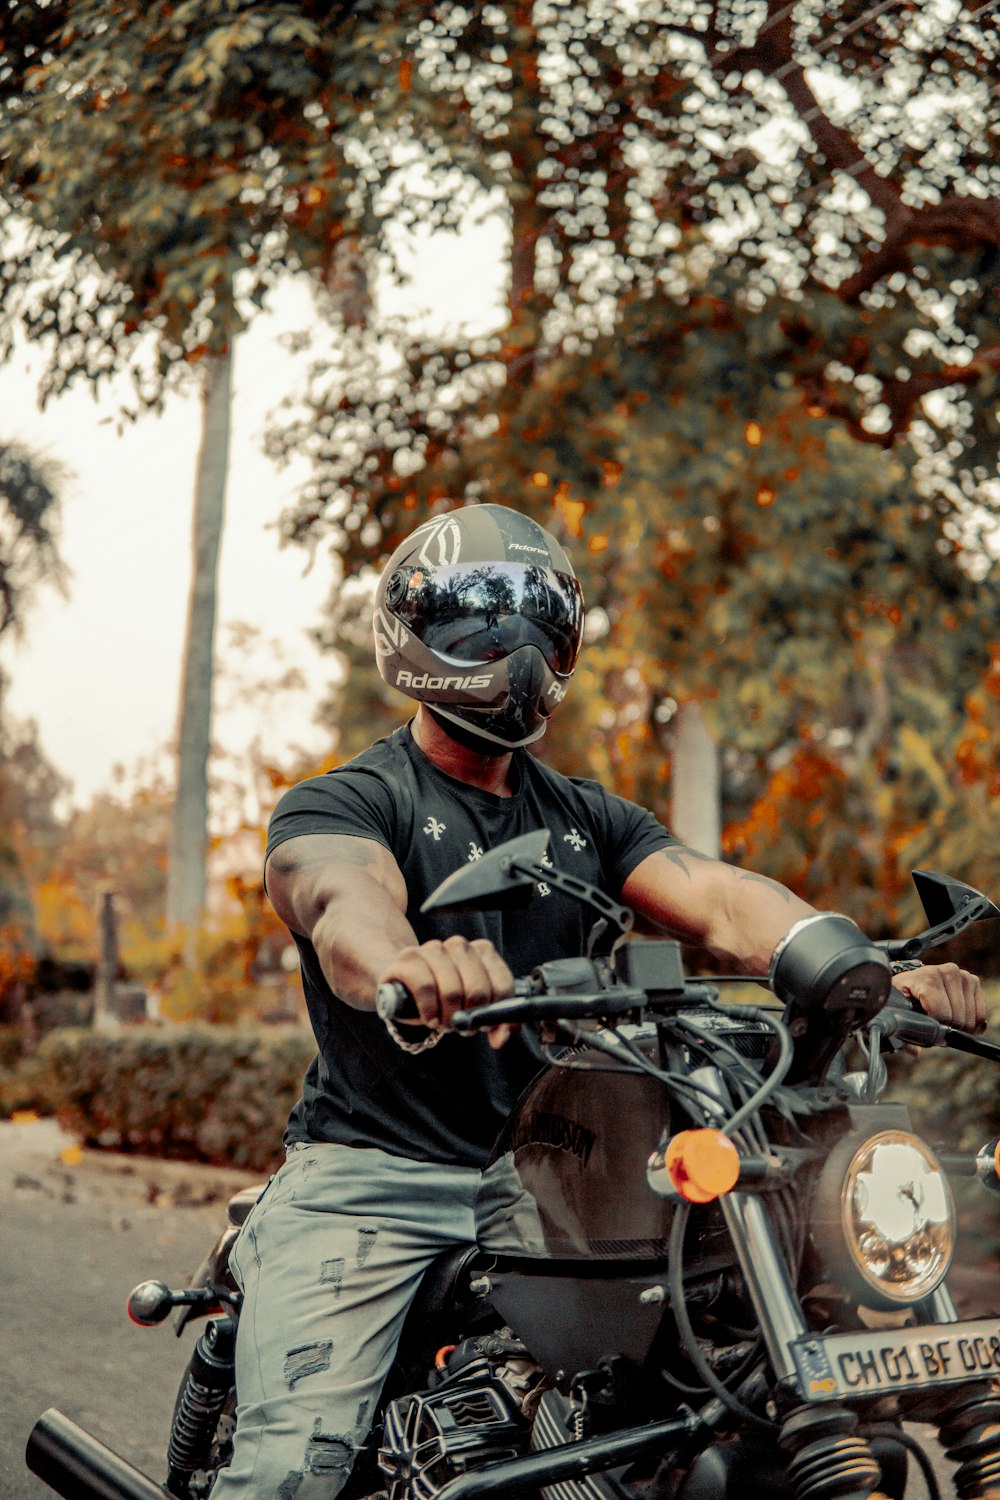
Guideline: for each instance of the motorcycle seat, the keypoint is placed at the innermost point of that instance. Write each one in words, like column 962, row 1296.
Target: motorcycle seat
column 240, row 1204
column 443, row 1293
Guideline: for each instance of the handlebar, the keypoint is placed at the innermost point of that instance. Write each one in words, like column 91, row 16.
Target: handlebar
column 563, row 990
column 548, row 1008
column 534, row 999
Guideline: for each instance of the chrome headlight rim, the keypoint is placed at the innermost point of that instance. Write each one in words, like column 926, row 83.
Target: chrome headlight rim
column 872, row 1262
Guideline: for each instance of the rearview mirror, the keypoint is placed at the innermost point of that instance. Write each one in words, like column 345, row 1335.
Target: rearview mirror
column 950, row 906
column 506, row 876
column 943, row 898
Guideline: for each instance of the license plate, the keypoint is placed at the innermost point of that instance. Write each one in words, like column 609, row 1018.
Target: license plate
column 835, row 1366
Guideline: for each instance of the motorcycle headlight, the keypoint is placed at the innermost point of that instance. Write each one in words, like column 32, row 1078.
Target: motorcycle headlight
column 885, row 1219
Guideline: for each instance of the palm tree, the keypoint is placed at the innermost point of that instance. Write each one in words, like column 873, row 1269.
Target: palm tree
column 29, row 512
column 186, row 879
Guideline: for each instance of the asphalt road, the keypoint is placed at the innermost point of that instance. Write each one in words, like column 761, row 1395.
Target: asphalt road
column 74, row 1239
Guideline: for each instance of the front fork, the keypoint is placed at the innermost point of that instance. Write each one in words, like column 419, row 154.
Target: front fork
column 969, row 1423
column 827, row 1458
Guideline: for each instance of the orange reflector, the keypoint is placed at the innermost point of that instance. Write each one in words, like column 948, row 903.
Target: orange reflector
column 703, row 1164
column 996, row 1158
column 441, row 1357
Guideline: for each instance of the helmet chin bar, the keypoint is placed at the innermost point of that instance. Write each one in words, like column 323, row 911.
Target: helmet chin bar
column 477, row 739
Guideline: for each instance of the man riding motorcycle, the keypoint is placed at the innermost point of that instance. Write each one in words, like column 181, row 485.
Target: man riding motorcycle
column 478, row 618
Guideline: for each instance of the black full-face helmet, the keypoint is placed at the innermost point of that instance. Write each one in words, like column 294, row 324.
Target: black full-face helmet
column 479, row 615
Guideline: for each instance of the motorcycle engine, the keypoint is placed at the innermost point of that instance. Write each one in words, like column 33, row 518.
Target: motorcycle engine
column 477, row 1414
column 553, row 1427
column 492, row 1404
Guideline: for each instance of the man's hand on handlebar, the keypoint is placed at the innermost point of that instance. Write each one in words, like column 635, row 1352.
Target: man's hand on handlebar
column 453, row 975
column 946, row 992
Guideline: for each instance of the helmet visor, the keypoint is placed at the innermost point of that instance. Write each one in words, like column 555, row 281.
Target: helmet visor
column 480, row 612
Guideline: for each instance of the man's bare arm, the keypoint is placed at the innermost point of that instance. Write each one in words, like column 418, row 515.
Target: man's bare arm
column 348, row 896
column 736, row 914
column 741, row 917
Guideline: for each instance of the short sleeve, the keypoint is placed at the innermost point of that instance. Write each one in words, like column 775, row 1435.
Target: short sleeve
column 633, row 833
column 350, row 801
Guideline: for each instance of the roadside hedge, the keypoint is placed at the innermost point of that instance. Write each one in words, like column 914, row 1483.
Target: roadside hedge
column 212, row 1095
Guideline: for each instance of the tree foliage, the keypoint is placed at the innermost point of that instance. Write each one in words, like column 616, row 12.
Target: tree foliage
column 807, row 147
column 748, row 367
column 29, row 789
column 162, row 162
column 749, row 360
column 166, row 162
column 29, row 786
column 29, row 516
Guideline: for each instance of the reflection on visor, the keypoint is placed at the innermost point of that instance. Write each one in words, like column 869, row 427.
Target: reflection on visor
column 482, row 612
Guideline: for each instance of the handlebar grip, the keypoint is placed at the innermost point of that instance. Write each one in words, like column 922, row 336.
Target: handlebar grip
column 393, row 1002
column 914, row 1027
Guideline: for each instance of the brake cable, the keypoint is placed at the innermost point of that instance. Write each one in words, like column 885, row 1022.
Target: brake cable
column 678, row 1306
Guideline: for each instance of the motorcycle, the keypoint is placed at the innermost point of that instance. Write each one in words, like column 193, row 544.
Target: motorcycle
column 712, row 1256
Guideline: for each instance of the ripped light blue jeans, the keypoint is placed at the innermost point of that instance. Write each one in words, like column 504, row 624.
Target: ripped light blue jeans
column 329, row 1261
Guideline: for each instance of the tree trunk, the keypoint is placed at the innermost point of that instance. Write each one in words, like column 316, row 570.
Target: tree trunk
column 186, row 881
column 105, row 1016
column 694, row 781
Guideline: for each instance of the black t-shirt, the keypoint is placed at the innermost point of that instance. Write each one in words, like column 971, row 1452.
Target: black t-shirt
column 447, row 1104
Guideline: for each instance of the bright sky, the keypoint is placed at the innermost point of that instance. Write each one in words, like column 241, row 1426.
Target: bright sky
column 99, row 670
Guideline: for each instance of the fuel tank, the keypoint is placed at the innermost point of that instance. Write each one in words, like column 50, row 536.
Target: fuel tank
column 567, row 1179
column 579, row 1238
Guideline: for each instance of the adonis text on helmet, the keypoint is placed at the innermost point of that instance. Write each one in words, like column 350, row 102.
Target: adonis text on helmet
column 424, row 680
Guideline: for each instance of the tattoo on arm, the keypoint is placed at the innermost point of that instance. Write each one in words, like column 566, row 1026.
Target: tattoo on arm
column 679, row 855
column 779, row 890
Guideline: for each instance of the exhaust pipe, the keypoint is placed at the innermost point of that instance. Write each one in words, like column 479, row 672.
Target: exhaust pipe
column 79, row 1467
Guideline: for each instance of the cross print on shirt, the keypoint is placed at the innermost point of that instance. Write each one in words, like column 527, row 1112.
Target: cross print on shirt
column 575, row 840
column 475, row 852
column 435, row 829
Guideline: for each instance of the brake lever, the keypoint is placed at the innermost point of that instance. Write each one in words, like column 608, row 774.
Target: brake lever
column 612, row 1002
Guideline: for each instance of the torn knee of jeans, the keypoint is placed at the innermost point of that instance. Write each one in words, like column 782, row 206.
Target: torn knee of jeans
column 331, row 1273
column 307, row 1359
column 366, row 1243
column 328, row 1453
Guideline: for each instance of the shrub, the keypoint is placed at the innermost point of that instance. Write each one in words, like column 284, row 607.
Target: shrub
column 197, row 1094
column 11, row 1044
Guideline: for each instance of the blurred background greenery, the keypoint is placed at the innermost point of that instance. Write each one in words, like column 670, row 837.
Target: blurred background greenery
column 745, row 367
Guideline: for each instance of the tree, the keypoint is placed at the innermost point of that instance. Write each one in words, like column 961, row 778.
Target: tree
column 165, row 162
column 29, row 514
column 798, row 191
column 834, row 159
column 29, row 791
column 633, row 151
column 29, row 556
column 187, row 883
